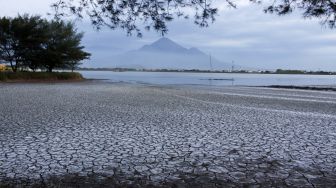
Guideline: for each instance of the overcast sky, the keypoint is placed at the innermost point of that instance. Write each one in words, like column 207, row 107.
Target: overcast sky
column 245, row 35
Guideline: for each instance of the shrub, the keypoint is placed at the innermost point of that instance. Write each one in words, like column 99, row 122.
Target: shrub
column 3, row 76
column 43, row 76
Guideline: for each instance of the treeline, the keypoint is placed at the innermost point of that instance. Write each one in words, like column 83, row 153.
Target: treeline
column 31, row 43
column 282, row 71
column 278, row 71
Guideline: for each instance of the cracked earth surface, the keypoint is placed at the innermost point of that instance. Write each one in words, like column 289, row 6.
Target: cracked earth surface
column 178, row 136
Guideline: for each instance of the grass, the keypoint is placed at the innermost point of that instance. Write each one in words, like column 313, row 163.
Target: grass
column 39, row 76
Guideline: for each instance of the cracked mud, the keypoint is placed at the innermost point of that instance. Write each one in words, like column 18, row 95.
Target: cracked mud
column 167, row 136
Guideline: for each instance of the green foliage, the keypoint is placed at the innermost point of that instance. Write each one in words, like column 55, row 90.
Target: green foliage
column 39, row 76
column 155, row 14
column 128, row 15
column 280, row 71
column 63, row 49
column 324, row 10
column 20, row 37
column 3, row 76
column 30, row 42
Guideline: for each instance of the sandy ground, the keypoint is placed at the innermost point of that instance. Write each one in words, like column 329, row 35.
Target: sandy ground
column 108, row 135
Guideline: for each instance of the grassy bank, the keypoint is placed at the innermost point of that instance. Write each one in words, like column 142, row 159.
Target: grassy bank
column 39, row 76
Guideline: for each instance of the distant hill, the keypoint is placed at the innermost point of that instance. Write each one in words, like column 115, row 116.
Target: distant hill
column 167, row 54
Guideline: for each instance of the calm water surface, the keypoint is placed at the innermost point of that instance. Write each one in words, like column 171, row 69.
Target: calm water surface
column 216, row 79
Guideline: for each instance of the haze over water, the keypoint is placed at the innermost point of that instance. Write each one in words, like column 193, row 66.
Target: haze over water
column 215, row 79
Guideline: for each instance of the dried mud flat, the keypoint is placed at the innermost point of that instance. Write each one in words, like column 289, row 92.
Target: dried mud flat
column 96, row 134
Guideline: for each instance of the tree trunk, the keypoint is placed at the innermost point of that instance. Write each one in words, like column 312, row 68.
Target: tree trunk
column 50, row 69
column 16, row 66
column 12, row 66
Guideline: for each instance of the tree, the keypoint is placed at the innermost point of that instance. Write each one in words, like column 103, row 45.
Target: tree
column 62, row 47
column 325, row 10
column 154, row 14
column 76, row 54
column 30, row 31
column 8, row 43
column 32, row 42
column 127, row 14
column 19, row 37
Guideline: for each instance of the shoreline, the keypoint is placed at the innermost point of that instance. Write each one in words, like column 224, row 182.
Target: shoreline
column 205, row 71
column 41, row 81
column 85, row 80
column 37, row 81
column 40, row 77
column 293, row 87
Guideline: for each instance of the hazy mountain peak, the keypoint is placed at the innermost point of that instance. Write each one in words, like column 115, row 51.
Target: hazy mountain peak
column 167, row 54
column 164, row 44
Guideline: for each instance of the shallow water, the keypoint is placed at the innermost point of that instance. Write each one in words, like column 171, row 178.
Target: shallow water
column 215, row 79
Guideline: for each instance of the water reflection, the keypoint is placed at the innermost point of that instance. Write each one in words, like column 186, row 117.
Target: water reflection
column 212, row 79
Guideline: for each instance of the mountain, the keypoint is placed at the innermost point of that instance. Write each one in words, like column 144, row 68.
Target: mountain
column 167, row 54
column 163, row 45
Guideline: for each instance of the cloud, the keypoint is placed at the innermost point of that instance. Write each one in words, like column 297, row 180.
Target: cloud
column 13, row 7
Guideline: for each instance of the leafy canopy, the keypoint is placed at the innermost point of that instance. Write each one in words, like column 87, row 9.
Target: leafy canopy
column 154, row 14
column 62, row 49
column 325, row 10
column 19, row 37
column 32, row 42
column 129, row 14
